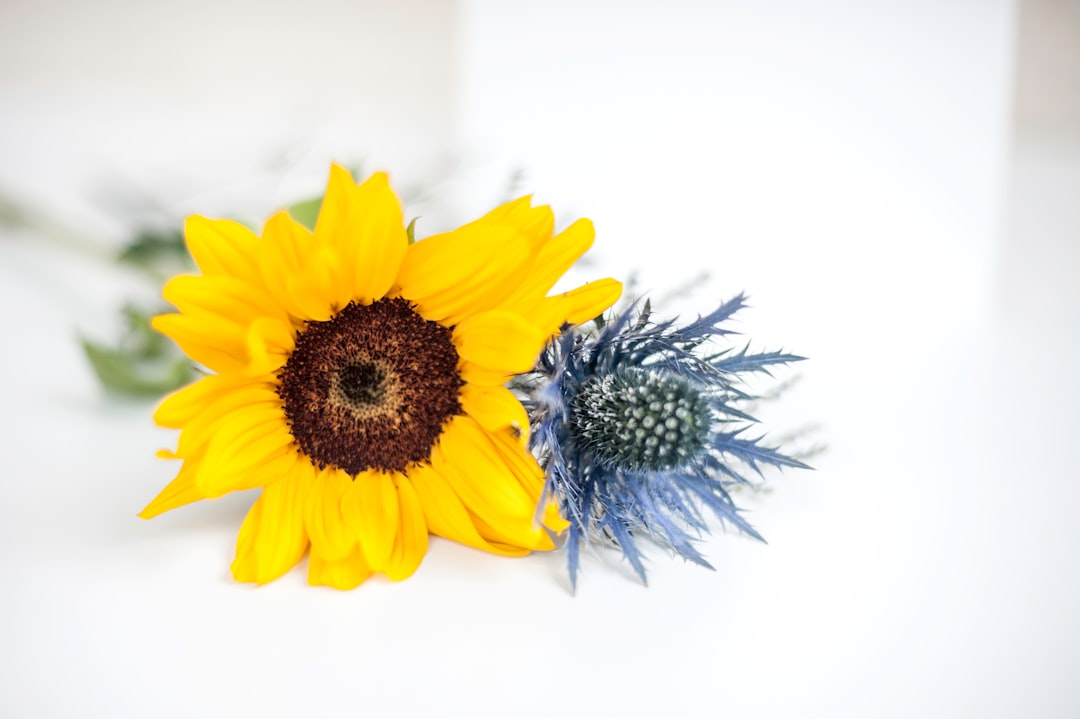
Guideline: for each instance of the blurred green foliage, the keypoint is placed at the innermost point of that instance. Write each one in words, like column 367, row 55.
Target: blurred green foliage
column 151, row 249
column 144, row 362
column 306, row 212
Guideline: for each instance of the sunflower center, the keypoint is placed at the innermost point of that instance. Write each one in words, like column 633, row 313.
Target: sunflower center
column 371, row 388
column 363, row 384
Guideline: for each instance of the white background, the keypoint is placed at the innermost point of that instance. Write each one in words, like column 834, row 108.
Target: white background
column 860, row 169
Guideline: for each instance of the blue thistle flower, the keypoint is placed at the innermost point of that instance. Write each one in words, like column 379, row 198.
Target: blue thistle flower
column 640, row 432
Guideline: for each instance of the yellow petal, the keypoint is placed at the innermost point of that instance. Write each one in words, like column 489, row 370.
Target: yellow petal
column 497, row 479
column 319, row 291
column 222, row 247
column 444, row 261
column 467, row 459
column 499, row 339
column 534, row 222
column 227, row 297
column 531, row 537
column 177, row 493
column 377, row 231
column 411, row 542
column 183, row 405
column 492, row 256
column 370, row 509
column 529, row 475
column 288, row 245
column 366, row 227
column 553, row 260
column 450, row 276
column 332, row 232
column 251, row 448
column 330, row 537
column 482, row 376
column 573, row 307
column 495, row 408
column 207, row 339
column 347, row 572
column 519, row 460
column 269, row 342
column 272, row 539
column 446, row 516
column 588, row 301
column 331, row 226
column 259, row 403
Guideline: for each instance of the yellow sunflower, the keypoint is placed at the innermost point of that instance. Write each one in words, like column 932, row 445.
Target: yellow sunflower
column 358, row 380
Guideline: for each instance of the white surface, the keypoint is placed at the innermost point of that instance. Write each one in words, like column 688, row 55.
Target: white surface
column 843, row 165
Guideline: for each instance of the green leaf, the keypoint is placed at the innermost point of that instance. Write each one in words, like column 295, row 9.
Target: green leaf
column 307, row 211
column 410, row 231
column 151, row 248
column 142, row 340
column 144, row 362
column 121, row 371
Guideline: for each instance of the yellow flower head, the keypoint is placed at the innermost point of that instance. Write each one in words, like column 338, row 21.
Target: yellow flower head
column 359, row 380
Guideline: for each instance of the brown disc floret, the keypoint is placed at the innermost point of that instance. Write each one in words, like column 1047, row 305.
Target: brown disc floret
column 371, row 388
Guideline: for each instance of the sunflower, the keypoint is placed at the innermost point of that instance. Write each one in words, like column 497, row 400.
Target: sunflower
column 358, row 381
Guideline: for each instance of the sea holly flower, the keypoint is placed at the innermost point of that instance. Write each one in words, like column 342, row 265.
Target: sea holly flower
column 358, row 380
column 641, row 429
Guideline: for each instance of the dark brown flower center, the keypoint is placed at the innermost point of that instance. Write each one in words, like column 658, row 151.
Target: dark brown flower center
column 371, row 388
